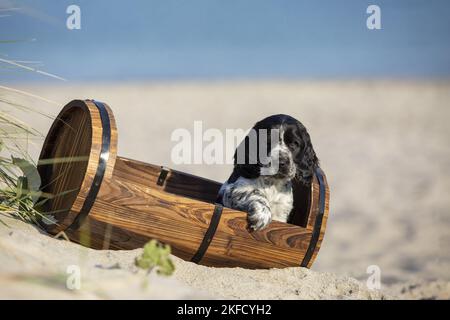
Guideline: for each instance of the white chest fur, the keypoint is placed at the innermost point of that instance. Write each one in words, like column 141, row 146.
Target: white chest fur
column 280, row 197
column 276, row 193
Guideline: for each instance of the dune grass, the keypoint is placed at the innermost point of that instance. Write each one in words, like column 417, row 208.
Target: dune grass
column 19, row 178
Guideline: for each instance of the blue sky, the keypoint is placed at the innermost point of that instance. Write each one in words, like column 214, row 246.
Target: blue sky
column 207, row 39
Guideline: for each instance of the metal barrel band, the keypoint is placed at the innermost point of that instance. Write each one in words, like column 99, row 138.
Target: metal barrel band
column 162, row 176
column 101, row 168
column 209, row 235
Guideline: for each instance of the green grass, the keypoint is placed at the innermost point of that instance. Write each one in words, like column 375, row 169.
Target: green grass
column 19, row 179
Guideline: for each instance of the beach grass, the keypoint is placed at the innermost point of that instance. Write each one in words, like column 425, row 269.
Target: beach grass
column 19, row 178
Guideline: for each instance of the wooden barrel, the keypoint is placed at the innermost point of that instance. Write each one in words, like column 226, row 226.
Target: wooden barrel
column 104, row 201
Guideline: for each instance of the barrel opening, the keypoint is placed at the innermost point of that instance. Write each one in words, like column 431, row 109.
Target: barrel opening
column 64, row 159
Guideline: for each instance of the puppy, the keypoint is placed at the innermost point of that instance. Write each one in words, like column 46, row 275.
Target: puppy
column 276, row 152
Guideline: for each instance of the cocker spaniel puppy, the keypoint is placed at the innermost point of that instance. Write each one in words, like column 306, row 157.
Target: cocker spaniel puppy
column 276, row 151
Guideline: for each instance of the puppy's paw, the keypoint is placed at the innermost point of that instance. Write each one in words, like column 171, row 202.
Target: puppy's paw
column 259, row 217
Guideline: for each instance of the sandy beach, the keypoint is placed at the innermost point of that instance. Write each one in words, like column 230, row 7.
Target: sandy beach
column 384, row 146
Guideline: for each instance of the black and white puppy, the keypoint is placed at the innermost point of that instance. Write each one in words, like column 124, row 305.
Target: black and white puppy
column 261, row 182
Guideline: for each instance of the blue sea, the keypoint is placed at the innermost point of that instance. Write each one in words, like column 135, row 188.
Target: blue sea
column 209, row 39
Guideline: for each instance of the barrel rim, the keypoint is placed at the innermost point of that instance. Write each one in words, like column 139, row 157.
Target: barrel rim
column 320, row 220
column 101, row 160
column 101, row 167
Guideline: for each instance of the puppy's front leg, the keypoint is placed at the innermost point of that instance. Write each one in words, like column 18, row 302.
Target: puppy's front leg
column 259, row 214
column 258, row 209
column 242, row 196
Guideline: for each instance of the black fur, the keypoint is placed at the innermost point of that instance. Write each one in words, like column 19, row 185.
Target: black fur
column 297, row 139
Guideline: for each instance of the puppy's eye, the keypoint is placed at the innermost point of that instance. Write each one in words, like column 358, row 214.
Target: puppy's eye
column 296, row 143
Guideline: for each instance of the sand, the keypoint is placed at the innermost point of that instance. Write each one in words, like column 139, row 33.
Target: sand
column 383, row 145
column 35, row 265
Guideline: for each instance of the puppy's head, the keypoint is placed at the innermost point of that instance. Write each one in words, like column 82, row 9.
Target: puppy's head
column 278, row 147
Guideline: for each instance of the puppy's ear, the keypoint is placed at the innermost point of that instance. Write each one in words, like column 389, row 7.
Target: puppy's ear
column 306, row 160
column 246, row 162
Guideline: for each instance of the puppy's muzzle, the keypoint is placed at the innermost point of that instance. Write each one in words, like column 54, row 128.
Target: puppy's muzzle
column 286, row 166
